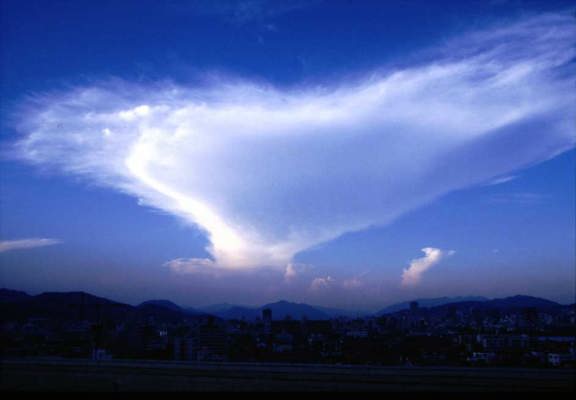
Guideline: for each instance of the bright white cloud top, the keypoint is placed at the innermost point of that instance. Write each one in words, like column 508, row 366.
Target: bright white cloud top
column 22, row 244
column 269, row 172
column 412, row 275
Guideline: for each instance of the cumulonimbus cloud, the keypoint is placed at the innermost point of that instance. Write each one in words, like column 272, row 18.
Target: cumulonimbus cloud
column 269, row 172
column 412, row 275
column 21, row 244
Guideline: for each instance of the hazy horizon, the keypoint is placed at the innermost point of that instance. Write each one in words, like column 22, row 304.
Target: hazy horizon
column 201, row 306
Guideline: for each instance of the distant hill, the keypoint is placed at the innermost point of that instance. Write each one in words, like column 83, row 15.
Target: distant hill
column 434, row 302
column 217, row 308
column 73, row 298
column 82, row 306
column 337, row 312
column 280, row 310
column 169, row 310
column 504, row 304
column 158, row 311
column 520, row 301
column 12, row 295
column 284, row 309
column 162, row 303
column 168, row 305
column 64, row 306
column 238, row 312
column 17, row 305
column 513, row 303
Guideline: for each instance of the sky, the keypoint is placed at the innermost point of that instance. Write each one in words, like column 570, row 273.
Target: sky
column 341, row 153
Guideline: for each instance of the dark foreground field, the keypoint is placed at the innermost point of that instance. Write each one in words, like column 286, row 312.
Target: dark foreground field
column 79, row 375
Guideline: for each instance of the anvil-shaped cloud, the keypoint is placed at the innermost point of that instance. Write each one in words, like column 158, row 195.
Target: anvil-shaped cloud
column 269, row 172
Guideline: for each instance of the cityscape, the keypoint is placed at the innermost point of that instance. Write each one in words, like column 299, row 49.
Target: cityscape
column 518, row 331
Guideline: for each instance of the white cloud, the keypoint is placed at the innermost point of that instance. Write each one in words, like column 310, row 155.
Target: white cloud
column 412, row 275
column 191, row 265
column 266, row 173
column 322, row 283
column 294, row 271
column 8, row 245
column 290, row 273
column 328, row 282
column 502, row 179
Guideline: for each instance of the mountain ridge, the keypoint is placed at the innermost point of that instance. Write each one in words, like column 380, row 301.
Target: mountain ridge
column 428, row 302
column 85, row 305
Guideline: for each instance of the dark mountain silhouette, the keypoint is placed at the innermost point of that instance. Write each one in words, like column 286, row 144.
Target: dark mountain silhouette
column 64, row 306
column 285, row 309
column 280, row 310
column 505, row 304
column 238, row 312
column 82, row 306
column 217, row 308
column 337, row 312
column 158, row 312
column 162, row 303
column 167, row 310
column 17, row 305
column 520, row 301
column 513, row 303
column 429, row 303
column 12, row 295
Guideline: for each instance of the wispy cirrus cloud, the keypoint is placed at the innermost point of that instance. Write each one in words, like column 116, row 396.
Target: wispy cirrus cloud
column 22, row 244
column 268, row 172
column 412, row 275
column 502, row 179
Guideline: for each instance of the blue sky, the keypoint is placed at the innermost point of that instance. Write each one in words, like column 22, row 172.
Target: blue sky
column 246, row 151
